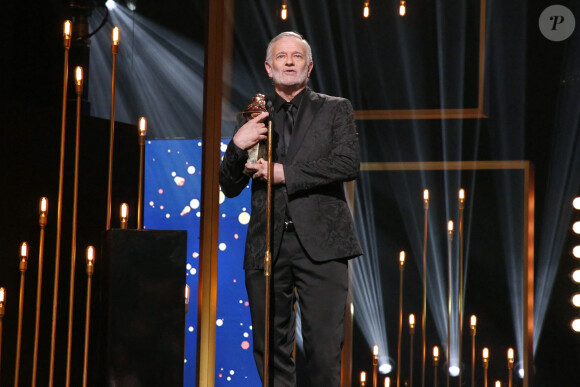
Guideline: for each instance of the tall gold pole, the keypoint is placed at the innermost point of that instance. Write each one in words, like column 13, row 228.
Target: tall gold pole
column 115, row 50
column 411, row 333
column 460, row 296
column 485, row 365
column 142, row 137
column 435, row 364
column 90, row 271
column 473, row 326
column 23, row 267
column 42, row 221
column 375, row 364
column 424, row 314
column 267, row 258
column 449, row 254
column 67, row 36
column 401, row 269
column 79, row 91
column 2, row 301
column 510, row 366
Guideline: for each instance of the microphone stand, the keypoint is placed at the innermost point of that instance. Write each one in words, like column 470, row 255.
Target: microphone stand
column 267, row 257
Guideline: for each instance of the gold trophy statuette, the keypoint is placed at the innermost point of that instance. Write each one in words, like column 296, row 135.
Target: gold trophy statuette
column 258, row 151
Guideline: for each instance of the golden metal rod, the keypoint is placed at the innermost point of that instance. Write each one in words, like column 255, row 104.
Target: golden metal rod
column 449, row 275
column 485, row 365
column 142, row 134
column 114, row 50
column 472, row 351
column 23, row 266
column 435, row 364
column 401, row 269
column 460, row 295
column 375, row 364
column 424, row 314
column 59, row 204
column 79, row 91
column 90, row 271
column 42, row 223
column 267, row 257
column 510, row 366
column 411, row 332
column 2, row 301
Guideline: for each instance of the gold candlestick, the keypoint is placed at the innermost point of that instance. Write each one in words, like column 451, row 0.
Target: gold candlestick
column 375, row 364
column 90, row 272
column 401, row 269
column 79, row 91
column 124, row 215
column 473, row 325
column 2, row 301
column 411, row 333
column 435, row 364
column 142, row 137
column 115, row 50
column 460, row 296
column 42, row 222
column 67, row 40
column 268, row 256
column 510, row 355
column 485, row 365
column 449, row 271
column 23, row 266
column 424, row 315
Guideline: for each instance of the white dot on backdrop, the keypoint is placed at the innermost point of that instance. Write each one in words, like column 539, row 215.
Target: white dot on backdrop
column 223, row 215
column 191, row 170
column 195, row 254
column 167, row 216
column 173, row 174
column 241, row 301
column 229, row 379
column 151, row 203
column 198, row 214
column 223, row 147
column 232, row 372
column 219, row 322
column 193, row 271
column 188, row 267
column 244, row 218
column 190, row 329
column 194, row 203
column 199, row 143
column 222, row 246
column 161, row 207
column 246, row 334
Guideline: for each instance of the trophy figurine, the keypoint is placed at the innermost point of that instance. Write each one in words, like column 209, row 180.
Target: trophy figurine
column 258, row 151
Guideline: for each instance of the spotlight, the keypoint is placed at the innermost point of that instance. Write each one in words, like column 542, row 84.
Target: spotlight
column 576, row 325
column 576, row 203
column 576, row 300
column 576, row 276
column 576, row 251
column 576, row 227
column 454, row 370
column 385, row 368
column 521, row 372
column 111, row 5
column 131, row 5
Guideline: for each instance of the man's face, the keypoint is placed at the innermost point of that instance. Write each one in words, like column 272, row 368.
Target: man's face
column 289, row 67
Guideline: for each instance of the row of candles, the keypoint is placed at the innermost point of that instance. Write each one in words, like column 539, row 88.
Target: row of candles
column 23, row 267
column 78, row 74
column 485, row 361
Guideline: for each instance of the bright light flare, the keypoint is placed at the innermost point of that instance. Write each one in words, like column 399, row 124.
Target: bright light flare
column 454, row 370
column 576, row 203
column 576, row 276
column 576, row 325
column 111, row 5
column 576, row 227
column 576, row 251
column 385, row 368
column 576, row 300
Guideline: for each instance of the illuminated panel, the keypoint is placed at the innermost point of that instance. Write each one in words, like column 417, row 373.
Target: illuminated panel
column 172, row 202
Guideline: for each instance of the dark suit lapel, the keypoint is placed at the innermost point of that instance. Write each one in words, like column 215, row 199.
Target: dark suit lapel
column 309, row 106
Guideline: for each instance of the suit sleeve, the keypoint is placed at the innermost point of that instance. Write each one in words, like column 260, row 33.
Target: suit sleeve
column 340, row 164
column 231, row 176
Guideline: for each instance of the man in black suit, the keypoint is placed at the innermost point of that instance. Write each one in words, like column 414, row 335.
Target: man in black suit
column 313, row 236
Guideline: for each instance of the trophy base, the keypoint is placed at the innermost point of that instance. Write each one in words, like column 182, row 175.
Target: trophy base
column 255, row 153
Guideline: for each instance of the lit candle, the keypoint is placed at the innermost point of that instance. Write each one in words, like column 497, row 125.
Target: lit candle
column 79, row 75
column 450, row 226
column 485, row 355
column 402, row 8
column 435, row 353
column 473, row 321
column 116, row 36
column 375, row 350
column 124, row 215
column 24, row 251
column 426, row 195
column 284, row 12
column 387, row 381
column 142, row 126
column 412, row 320
column 363, row 378
column 366, row 9
column 402, row 258
column 2, row 295
column 510, row 355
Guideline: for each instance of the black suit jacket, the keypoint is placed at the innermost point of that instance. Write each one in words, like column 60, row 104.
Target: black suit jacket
column 323, row 154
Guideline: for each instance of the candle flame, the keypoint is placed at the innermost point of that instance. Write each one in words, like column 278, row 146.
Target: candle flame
column 43, row 205
column 461, row 194
column 67, row 25
column 435, row 352
column 402, row 257
column 485, row 354
column 90, row 254
column 24, row 250
column 511, row 355
column 375, row 350
column 116, row 36
column 2, row 295
column 402, row 9
column 363, row 376
column 142, row 126
column 124, row 211
column 426, row 194
column 450, row 225
column 284, row 12
column 411, row 320
column 79, row 75
column 366, row 10
column 387, row 381
column 473, row 321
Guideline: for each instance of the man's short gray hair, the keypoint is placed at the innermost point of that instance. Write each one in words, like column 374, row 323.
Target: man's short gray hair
column 289, row 34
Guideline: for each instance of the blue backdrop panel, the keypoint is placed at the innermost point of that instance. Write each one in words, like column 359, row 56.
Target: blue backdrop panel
column 172, row 202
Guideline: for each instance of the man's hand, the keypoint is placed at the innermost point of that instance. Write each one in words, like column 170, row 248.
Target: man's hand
column 261, row 168
column 251, row 132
